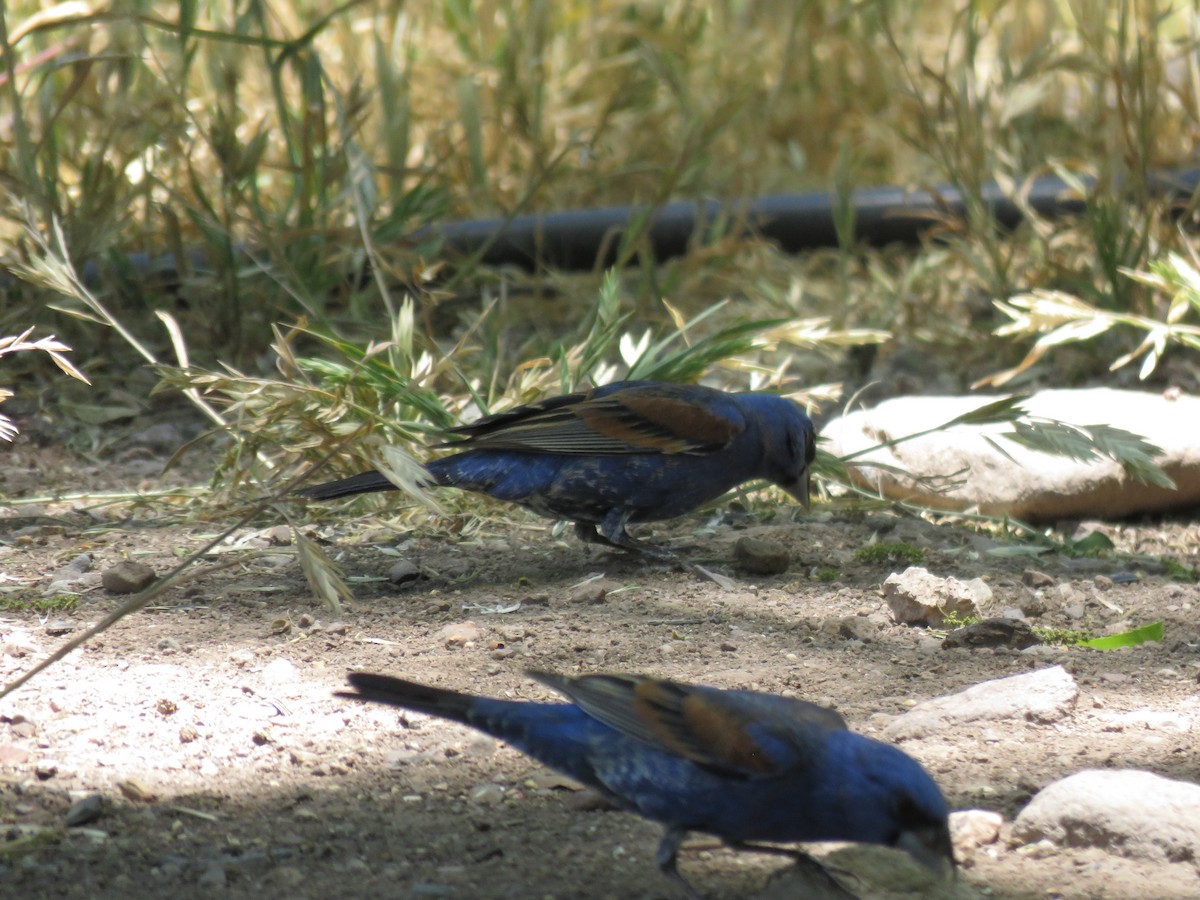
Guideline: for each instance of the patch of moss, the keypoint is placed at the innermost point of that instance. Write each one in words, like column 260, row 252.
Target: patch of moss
column 1177, row 571
column 952, row 621
column 890, row 553
column 57, row 603
column 1064, row 637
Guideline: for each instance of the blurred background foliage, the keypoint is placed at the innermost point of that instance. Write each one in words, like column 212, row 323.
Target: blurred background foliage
column 285, row 157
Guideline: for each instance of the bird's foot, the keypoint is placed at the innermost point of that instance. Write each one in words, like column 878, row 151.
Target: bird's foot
column 819, row 879
column 613, row 534
column 668, row 851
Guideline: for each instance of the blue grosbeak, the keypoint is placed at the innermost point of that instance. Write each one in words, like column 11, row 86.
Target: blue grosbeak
column 627, row 452
column 741, row 765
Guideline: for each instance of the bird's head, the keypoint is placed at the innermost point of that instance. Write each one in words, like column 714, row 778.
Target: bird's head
column 885, row 797
column 790, row 444
column 925, row 837
column 914, row 813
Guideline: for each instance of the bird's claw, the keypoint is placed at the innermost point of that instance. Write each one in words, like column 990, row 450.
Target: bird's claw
column 821, row 881
column 612, row 533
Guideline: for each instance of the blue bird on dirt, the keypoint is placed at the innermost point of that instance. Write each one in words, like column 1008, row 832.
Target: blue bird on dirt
column 621, row 454
column 743, row 766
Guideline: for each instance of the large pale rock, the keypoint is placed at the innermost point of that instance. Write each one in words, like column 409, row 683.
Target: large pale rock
column 1018, row 482
column 1043, row 696
column 1135, row 814
column 918, row 596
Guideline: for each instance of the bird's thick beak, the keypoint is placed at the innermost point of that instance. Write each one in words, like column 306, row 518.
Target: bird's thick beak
column 931, row 847
column 800, row 489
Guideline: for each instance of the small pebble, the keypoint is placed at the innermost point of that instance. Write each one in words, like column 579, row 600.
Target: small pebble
column 86, row 811
column 592, row 592
column 405, row 571
column 458, row 634
column 1036, row 579
column 759, row 557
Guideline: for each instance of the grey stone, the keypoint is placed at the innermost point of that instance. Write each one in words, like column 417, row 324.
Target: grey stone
column 87, row 810
column 998, row 632
column 1042, row 696
column 1018, row 482
column 76, row 567
column 404, row 571
column 127, row 577
column 759, row 557
column 592, row 591
column 1128, row 812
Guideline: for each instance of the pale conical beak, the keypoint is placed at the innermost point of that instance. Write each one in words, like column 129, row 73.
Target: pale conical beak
column 800, row 490
column 931, row 847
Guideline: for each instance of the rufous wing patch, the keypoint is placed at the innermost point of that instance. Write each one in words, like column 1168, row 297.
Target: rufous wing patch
column 684, row 419
column 685, row 722
column 725, row 737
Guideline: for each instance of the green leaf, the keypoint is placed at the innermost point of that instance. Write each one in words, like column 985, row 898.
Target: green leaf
column 1093, row 545
column 1133, row 452
column 1151, row 632
column 1055, row 438
column 1088, row 442
column 1006, row 409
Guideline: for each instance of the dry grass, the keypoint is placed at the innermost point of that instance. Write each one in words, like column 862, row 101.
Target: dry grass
column 298, row 147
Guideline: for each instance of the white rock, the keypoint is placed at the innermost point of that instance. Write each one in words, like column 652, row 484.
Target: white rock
column 1150, row 720
column 1044, row 696
column 915, row 595
column 280, row 671
column 1131, row 813
column 972, row 828
column 1019, row 482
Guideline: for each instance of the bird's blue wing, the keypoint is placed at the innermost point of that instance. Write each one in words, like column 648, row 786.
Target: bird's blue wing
column 631, row 418
column 736, row 732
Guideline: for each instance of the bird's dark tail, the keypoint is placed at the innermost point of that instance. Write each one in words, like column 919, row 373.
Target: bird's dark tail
column 409, row 695
column 362, row 483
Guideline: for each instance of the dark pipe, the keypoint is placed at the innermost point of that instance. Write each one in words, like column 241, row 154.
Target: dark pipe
column 581, row 239
column 883, row 215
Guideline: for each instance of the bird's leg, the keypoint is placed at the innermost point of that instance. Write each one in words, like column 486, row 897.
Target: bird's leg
column 612, row 531
column 817, row 872
column 668, row 851
column 587, row 533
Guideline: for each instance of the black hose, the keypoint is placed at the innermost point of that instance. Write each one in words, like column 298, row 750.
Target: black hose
column 581, row 239
column 584, row 239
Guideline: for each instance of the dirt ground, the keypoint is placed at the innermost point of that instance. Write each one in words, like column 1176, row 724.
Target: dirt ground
column 226, row 766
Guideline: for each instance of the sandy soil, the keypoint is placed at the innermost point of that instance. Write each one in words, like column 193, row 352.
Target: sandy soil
column 226, row 766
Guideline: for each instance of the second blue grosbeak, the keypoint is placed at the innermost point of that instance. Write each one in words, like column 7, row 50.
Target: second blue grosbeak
column 741, row 765
column 627, row 452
